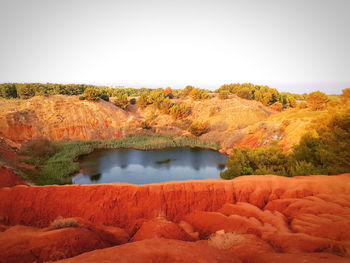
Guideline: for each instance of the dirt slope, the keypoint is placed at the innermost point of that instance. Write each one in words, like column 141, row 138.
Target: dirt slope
column 61, row 117
column 271, row 217
column 232, row 121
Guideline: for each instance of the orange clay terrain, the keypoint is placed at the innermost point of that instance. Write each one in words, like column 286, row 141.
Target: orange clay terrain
column 232, row 121
column 248, row 219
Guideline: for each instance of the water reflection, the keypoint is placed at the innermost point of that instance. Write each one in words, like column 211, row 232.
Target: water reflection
column 144, row 167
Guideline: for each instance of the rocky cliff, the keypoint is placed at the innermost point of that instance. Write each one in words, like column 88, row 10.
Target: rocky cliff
column 249, row 219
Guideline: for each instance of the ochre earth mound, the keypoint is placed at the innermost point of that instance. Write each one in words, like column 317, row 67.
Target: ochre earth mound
column 250, row 218
column 61, row 117
column 232, row 122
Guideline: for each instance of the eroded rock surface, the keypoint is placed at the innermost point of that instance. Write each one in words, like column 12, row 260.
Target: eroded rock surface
column 251, row 218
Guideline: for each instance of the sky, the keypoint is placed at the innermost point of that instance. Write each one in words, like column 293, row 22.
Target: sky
column 292, row 45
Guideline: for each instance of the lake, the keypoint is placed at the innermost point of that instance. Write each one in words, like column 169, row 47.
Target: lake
column 146, row 167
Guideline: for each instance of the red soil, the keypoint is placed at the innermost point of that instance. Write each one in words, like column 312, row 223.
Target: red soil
column 29, row 244
column 8, row 178
column 275, row 219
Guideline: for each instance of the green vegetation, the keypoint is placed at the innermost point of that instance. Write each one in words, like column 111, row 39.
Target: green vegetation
column 262, row 93
column 179, row 111
column 323, row 150
column 198, row 128
column 28, row 90
column 317, row 100
column 198, row 94
column 121, row 101
column 55, row 168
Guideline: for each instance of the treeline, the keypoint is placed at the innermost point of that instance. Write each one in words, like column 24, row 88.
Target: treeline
column 28, row 90
column 264, row 94
column 323, row 150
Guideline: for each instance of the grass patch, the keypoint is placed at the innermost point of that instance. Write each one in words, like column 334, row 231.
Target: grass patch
column 61, row 222
column 56, row 169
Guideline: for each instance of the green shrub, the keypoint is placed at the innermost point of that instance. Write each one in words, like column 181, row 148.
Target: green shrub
column 179, row 111
column 198, row 128
column 165, row 106
column 246, row 161
column 8, row 90
column 245, row 93
column 92, row 94
column 198, row 94
column 142, row 101
column 104, row 97
column 25, row 91
column 132, row 101
column 42, row 148
column 121, row 101
column 145, row 125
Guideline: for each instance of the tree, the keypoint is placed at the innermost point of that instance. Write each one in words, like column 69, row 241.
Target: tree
column 188, row 89
column 245, row 93
column 25, row 91
column 168, row 92
column 121, row 101
column 92, row 94
column 165, row 106
column 317, row 100
column 345, row 96
column 198, row 94
column 8, row 90
column 142, row 101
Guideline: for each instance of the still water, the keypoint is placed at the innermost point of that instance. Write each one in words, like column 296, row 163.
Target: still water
column 145, row 167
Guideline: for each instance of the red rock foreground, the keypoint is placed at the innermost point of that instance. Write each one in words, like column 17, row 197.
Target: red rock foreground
column 249, row 219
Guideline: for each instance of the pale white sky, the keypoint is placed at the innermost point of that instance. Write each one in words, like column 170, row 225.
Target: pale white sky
column 295, row 45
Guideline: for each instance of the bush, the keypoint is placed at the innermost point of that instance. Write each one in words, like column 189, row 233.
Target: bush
column 145, row 125
column 121, row 101
column 42, row 148
column 142, row 101
column 132, row 101
column 25, row 91
column 179, row 111
column 92, row 94
column 104, row 97
column 8, row 90
column 223, row 95
column 61, row 222
column 188, row 89
column 198, row 94
column 246, row 161
column 168, row 92
column 198, row 128
column 302, row 105
column 317, row 100
column 244, row 93
column 165, row 106
column 277, row 106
